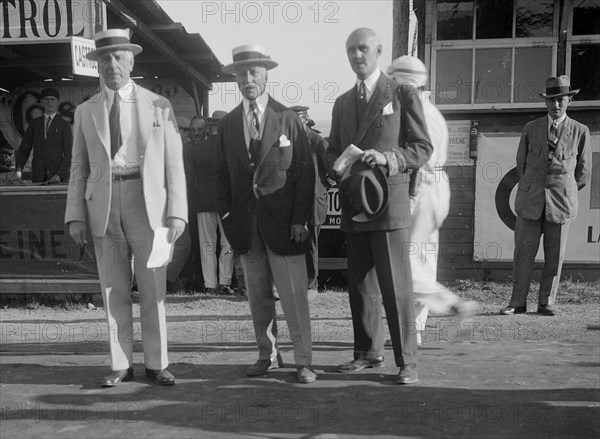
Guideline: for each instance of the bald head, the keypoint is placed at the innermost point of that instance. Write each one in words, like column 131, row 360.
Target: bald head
column 363, row 48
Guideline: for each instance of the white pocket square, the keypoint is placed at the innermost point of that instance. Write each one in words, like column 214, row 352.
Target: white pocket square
column 388, row 109
column 283, row 141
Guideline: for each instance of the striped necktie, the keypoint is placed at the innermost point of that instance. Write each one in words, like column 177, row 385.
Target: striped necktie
column 552, row 139
column 254, row 130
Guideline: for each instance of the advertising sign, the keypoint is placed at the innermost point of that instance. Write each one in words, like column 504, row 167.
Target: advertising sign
column 495, row 192
column 80, row 47
column 49, row 21
column 458, row 143
column 334, row 211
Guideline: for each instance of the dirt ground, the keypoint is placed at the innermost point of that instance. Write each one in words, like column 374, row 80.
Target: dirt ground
column 492, row 376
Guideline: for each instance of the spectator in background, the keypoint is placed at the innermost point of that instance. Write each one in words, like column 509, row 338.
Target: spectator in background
column 216, row 271
column 430, row 205
column 554, row 161
column 181, row 252
column 317, row 146
column 51, row 139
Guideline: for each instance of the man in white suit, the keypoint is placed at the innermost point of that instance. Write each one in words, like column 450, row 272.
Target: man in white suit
column 429, row 206
column 127, row 179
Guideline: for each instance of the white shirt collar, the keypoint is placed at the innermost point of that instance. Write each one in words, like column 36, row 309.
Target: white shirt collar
column 51, row 115
column 370, row 81
column 559, row 120
column 261, row 103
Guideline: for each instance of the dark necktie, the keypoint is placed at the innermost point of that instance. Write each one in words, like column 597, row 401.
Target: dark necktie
column 362, row 100
column 552, row 139
column 115, row 126
column 47, row 126
column 254, row 130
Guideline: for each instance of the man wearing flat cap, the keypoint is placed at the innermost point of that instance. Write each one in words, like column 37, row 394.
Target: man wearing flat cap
column 51, row 139
column 554, row 161
column 386, row 125
column 127, row 180
column 265, row 187
column 317, row 146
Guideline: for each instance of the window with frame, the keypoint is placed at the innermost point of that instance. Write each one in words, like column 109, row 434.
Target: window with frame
column 583, row 50
column 493, row 53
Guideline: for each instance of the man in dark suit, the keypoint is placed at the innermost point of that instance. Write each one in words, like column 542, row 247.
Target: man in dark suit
column 317, row 146
column 265, row 187
column 385, row 121
column 554, row 161
column 51, row 139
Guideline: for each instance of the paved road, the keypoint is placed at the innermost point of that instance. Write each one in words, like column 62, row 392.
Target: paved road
column 493, row 380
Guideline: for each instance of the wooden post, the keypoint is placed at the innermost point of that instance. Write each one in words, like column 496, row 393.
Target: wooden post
column 401, row 17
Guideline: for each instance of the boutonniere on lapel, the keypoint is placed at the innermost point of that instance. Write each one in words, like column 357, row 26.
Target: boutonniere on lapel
column 284, row 141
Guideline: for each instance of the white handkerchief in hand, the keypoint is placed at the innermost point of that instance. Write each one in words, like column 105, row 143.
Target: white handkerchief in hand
column 350, row 155
column 388, row 109
column 162, row 250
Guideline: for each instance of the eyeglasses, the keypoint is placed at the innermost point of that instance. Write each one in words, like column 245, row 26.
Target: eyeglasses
column 197, row 130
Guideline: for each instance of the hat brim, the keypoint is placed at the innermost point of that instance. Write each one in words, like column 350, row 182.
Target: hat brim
column 93, row 55
column 364, row 217
column 568, row 93
column 231, row 68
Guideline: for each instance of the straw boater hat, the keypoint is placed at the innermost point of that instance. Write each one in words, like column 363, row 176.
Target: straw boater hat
column 408, row 69
column 556, row 87
column 112, row 39
column 249, row 55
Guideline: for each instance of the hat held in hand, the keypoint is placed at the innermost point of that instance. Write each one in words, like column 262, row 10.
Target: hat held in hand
column 367, row 191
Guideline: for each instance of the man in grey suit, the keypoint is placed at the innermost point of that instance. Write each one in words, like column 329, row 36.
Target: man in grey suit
column 386, row 122
column 554, row 161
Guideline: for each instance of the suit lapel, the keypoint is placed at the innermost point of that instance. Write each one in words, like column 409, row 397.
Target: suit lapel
column 564, row 137
column 144, row 116
column 381, row 96
column 236, row 131
column 272, row 121
column 100, row 118
column 350, row 124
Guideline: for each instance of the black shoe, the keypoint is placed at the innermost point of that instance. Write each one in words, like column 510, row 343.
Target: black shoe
column 162, row 377
column 261, row 367
column 407, row 374
column 510, row 310
column 116, row 377
column 360, row 364
column 226, row 290
column 546, row 310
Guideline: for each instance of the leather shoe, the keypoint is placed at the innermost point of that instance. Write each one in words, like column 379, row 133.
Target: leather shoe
column 261, row 367
column 305, row 374
column 546, row 310
column 360, row 364
column 510, row 310
column 116, row 377
column 407, row 374
column 162, row 377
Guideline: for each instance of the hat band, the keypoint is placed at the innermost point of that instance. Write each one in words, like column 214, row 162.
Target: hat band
column 111, row 41
column 558, row 90
column 413, row 72
column 244, row 56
